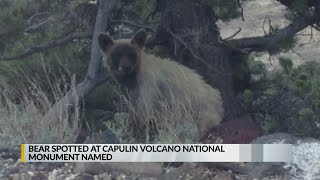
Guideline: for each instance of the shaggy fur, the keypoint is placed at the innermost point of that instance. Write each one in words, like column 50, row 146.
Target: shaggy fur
column 166, row 99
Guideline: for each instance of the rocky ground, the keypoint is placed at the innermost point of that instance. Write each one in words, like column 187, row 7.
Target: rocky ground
column 12, row 168
column 15, row 170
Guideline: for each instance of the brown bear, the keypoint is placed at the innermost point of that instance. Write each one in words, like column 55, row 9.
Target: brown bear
column 167, row 100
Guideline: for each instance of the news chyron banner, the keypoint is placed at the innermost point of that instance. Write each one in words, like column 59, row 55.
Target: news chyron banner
column 156, row 152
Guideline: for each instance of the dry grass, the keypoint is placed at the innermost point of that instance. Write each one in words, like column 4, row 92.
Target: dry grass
column 22, row 111
column 162, row 121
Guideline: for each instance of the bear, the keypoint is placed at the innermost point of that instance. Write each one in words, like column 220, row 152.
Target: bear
column 166, row 100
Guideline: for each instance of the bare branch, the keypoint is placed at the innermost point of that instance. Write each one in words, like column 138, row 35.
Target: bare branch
column 33, row 28
column 316, row 27
column 37, row 15
column 118, row 12
column 47, row 45
column 262, row 43
column 203, row 61
column 263, row 25
column 239, row 4
column 153, row 13
column 234, row 34
column 133, row 24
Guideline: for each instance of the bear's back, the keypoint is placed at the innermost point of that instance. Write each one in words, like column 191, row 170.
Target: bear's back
column 177, row 94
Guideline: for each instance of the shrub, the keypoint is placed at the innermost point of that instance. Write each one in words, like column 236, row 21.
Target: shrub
column 288, row 100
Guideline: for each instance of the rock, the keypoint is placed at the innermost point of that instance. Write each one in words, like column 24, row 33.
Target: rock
column 223, row 176
column 25, row 176
column 138, row 168
column 236, row 131
column 305, row 164
column 104, row 176
column 13, row 153
column 55, row 174
column 72, row 176
column 40, row 176
column 306, row 157
column 263, row 170
column 16, row 177
column 276, row 138
column 84, row 177
column 31, row 173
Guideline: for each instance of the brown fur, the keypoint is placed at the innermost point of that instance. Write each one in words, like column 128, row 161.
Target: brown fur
column 164, row 96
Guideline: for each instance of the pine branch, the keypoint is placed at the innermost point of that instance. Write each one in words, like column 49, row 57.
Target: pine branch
column 48, row 45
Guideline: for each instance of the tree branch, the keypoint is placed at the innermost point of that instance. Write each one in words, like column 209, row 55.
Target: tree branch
column 133, row 24
column 65, row 40
column 233, row 35
column 262, row 43
column 191, row 51
column 47, row 45
column 308, row 2
column 241, row 8
column 37, row 26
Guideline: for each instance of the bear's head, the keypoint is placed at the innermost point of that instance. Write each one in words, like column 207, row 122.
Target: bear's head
column 122, row 57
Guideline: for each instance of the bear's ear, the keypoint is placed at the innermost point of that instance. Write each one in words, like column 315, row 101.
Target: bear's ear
column 139, row 38
column 105, row 41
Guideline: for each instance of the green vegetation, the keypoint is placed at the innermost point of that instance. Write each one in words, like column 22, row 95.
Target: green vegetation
column 287, row 100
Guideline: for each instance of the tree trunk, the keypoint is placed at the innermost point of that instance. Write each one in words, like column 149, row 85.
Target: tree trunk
column 194, row 40
column 93, row 77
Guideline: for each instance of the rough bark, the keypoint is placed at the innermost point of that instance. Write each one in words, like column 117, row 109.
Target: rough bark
column 194, row 40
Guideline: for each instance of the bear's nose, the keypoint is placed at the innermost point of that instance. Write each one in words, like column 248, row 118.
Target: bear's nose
column 124, row 69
